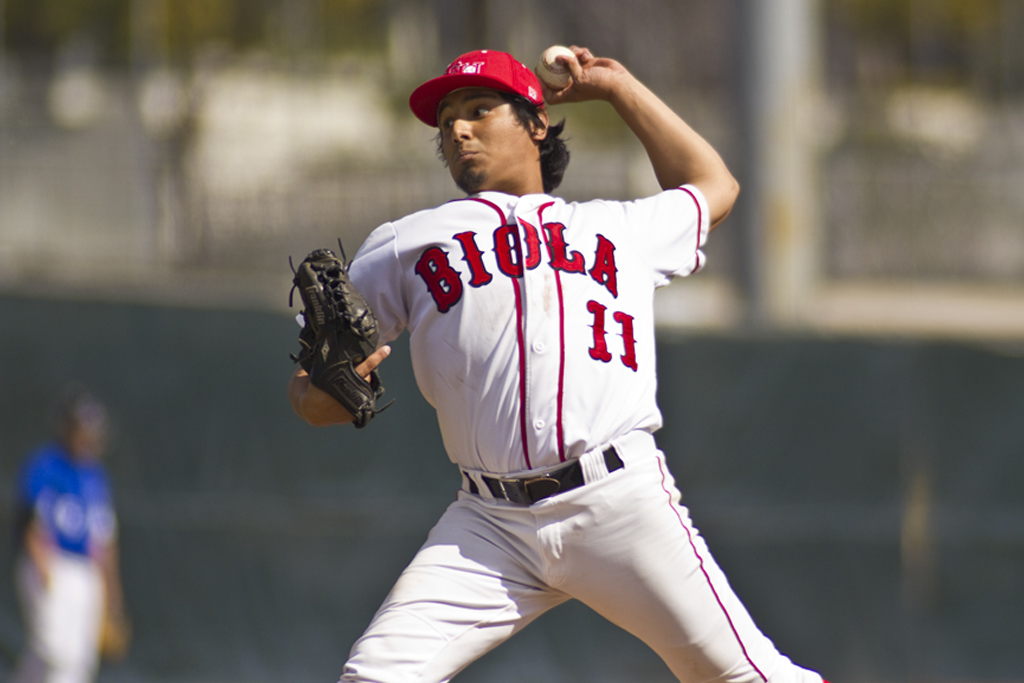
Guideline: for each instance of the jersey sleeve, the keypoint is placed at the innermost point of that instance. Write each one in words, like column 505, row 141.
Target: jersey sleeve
column 32, row 480
column 101, row 517
column 671, row 228
column 375, row 273
column 34, row 500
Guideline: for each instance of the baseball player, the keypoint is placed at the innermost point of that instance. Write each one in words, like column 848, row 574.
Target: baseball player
column 532, row 335
column 67, row 574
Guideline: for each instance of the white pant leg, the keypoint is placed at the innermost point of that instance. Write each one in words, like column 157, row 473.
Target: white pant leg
column 63, row 619
column 630, row 552
column 471, row 586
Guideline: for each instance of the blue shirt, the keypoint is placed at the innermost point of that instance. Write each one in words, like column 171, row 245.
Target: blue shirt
column 71, row 499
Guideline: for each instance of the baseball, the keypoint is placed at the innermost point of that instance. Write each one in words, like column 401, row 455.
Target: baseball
column 553, row 68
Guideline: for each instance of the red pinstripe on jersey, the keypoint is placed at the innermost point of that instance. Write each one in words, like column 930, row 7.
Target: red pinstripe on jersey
column 560, row 424
column 520, row 332
column 521, row 344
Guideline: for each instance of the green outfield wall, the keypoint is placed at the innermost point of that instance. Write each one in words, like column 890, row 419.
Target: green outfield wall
column 866, row 498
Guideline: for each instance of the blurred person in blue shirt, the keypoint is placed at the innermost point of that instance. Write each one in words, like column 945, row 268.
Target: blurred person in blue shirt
column 67, row 572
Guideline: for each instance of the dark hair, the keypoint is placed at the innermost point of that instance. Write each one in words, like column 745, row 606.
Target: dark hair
column 80, row 408
column 554, row 155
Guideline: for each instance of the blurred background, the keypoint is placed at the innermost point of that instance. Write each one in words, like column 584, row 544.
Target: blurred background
column 843, row 386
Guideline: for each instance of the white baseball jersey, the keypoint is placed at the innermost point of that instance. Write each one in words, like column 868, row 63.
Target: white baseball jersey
column 531, row 318
column 532, row 335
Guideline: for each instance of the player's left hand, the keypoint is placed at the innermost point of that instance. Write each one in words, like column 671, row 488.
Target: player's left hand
column 319, row 408
column 339, row 334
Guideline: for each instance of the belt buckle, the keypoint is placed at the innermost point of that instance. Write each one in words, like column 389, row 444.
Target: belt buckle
column 512, row 491
column 545, row 487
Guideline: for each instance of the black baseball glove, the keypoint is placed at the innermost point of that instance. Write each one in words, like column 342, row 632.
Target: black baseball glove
column 340, row 331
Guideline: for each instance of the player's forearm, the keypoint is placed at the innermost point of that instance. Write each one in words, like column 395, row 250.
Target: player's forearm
column 678, row 154
column 109, row 561
column 313, row 405
column 38, row 548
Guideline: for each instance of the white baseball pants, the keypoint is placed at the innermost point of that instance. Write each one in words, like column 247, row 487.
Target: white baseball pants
column 63, row 619
column 622, row 544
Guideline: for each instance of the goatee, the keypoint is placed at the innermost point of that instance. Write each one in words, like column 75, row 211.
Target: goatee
column 470, row 180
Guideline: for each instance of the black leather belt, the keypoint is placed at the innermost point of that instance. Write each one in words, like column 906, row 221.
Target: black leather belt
column 528, row 490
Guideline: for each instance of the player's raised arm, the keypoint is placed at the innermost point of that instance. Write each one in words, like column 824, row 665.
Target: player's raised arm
column 678, row 153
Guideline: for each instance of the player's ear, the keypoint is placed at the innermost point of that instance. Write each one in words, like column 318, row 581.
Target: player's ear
column 540, row 131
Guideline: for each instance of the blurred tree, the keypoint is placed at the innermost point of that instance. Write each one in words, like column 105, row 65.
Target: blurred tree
column 41, row 27
column 191, row 24
column 355, row 25
column 894, row 18
column 182, row 27
column 930, row 41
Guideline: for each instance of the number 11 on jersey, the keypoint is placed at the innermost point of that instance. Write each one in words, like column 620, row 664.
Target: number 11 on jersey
column 599, row 351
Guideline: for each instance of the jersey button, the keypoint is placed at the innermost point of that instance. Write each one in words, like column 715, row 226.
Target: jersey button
column 538, row 347
column 538, row 424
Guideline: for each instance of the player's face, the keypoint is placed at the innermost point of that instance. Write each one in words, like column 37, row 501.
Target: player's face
column 485, row 145
column 86, row 443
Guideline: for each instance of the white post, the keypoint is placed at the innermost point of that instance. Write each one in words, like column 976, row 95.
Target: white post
column 784, row 95
column 3, row 64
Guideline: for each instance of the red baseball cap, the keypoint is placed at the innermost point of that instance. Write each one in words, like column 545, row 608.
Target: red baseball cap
column 477, row 69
